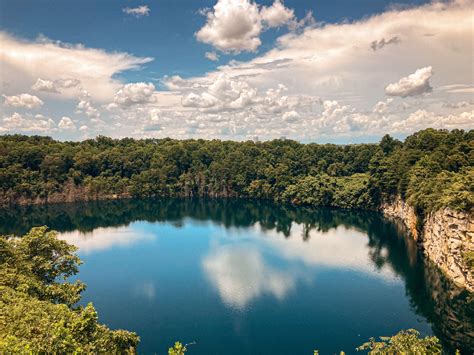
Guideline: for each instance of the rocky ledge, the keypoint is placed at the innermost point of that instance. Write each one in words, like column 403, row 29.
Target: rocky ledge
column 446, row 237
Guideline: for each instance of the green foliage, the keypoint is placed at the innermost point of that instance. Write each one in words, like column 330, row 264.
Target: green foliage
column 430, row 191
column 404, row 342
column 469, row 259
column 37, row 263
column 431, row 169
column 177, row 349
column 36, row 301
column 323, row 190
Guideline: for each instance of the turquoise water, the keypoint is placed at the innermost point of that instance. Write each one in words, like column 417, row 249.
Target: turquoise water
column 241, row 277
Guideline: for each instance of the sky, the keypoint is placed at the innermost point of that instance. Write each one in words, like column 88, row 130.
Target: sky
column 342, row 71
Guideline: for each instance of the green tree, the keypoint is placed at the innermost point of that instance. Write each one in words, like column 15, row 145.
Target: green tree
column 38, row 304
column 404, row 342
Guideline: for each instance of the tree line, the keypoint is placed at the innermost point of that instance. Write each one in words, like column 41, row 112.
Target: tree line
column 430, row 169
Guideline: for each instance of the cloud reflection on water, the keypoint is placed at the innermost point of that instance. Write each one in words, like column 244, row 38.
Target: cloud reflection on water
column 243, row 273
column 240, row 274
column 104, row 238
column 339, row 247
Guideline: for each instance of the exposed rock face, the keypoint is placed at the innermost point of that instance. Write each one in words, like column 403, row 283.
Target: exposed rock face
column 69, row 193
column 445, row 237
column 397, row 208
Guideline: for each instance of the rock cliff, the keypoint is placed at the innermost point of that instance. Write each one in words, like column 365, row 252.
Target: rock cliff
column 445, row 236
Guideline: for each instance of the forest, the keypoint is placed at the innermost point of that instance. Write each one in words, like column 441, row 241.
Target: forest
column 430, row 169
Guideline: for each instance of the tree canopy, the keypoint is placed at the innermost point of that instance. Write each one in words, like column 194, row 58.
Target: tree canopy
column 431, row 169
column 38, row 304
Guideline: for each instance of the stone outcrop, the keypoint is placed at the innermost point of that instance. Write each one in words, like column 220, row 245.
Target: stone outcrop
column 397, row 208
column 69, row 193
column 445, row 236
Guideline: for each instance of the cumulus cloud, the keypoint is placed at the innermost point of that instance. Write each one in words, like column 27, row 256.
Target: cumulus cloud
column 44, row 85
column 86, row 107
column 23, row 62
column 56, row 85
column 236, row 25
column 212, row 56
column 226, row 94
column 138, row 11
column 291, row 116
column 19, row 123
column 412, row 85
column 423, row 118
column 233, row 26
column 23, row 100
column 382, row 106
column 276, row 15
column 223, row 94
column 135, row 93
column 66, row 124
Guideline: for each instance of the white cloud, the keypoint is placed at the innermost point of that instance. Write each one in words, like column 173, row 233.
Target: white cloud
column 212, row 56
column 136, row 93
column 56, row 85
column 44, row 85
column 85, row 106
column 291, row 116
column 18, row 123
column 66, row 124
column 223, row 94
column 236, row 25
column 23, row 100
column 23, row 62
column 276, row 15
column 138, row 11
column 233, row 26
column 415, row 84
column 422, row 118
column 382, row 106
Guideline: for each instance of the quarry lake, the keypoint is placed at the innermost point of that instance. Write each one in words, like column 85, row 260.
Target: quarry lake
column 246, row 277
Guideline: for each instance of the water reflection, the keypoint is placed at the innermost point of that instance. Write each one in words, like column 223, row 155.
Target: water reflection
column 243, row 272
column 340, row 247
column 240, row 274
column 103, row 239
column 145, row 290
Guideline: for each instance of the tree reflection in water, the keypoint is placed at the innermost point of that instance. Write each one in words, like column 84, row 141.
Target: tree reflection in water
column 449, row 309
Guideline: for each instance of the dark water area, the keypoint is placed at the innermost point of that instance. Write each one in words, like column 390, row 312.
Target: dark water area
column 249, row 277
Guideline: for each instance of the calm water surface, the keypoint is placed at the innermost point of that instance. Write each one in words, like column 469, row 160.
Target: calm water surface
column 241, row 277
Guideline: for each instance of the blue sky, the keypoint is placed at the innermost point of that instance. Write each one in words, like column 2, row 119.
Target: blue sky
column 166, row 34
column 318, row 76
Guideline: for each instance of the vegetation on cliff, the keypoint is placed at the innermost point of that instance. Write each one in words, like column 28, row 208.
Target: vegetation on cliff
column 38, row 305
column 431, row 169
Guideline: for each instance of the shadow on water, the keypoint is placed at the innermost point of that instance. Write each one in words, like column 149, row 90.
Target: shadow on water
column 449, row 309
